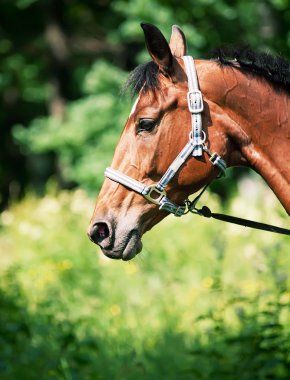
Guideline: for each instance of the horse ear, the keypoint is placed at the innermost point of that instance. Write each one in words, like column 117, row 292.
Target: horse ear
column 158, row 47
column 177, row 42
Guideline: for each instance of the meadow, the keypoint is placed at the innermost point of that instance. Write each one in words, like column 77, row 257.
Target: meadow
column 204, row 300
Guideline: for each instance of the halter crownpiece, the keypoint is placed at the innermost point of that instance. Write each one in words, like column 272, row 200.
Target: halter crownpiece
column 156, row 193
column 195, row 105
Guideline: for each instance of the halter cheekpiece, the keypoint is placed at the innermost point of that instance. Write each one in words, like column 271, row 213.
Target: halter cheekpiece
column 156, row 193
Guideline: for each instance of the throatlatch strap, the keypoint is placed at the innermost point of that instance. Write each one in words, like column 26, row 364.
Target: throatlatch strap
column 195, row 105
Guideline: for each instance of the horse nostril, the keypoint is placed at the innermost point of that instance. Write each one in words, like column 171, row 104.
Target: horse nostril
column 99, row 232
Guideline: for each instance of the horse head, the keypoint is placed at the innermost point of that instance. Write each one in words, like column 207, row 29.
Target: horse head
column 158, row 128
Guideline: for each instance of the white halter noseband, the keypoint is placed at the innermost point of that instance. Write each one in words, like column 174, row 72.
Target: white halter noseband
column 156, row 193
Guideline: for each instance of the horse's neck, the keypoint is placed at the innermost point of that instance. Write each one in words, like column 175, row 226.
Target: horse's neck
column 257, row 119
column 263, row 114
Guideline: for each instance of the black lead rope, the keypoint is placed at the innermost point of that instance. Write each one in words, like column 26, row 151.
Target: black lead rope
column 206, row 212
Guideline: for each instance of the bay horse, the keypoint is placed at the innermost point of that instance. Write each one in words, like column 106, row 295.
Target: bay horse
column 191, row 120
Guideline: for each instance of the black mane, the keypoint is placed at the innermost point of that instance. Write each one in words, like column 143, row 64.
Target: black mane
column 143, row 76
column 275, row 69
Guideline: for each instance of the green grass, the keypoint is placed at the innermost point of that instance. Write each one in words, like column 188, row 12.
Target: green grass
column 204, row 300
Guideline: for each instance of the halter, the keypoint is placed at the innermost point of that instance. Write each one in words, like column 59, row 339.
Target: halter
column 156, row 193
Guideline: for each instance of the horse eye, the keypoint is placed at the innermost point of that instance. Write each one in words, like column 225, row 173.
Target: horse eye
column 146, row 125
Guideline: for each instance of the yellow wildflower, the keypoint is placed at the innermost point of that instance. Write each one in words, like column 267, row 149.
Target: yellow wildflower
column 115, row 310
column 207, row 282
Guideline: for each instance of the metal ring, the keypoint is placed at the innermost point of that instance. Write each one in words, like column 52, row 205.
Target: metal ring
column 201, row 142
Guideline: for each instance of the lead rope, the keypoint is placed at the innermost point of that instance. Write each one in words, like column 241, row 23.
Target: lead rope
column 207, row 213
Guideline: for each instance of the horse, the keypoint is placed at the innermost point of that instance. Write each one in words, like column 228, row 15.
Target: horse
column 191, row 120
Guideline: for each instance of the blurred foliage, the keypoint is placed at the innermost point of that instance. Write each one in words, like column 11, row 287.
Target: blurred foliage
column 204, row 300
column 84, row 141
column 76, row 54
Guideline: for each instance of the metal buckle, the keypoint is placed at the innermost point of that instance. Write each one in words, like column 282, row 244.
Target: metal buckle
column 154, row 195
column 176, row 210
column 216, row 160
column 195, row 102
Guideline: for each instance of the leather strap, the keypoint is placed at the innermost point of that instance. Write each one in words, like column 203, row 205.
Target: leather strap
column 206, row 212
column 195, row 104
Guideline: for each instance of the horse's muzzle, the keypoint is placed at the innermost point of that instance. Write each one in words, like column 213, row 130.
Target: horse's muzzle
column 124, row 244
